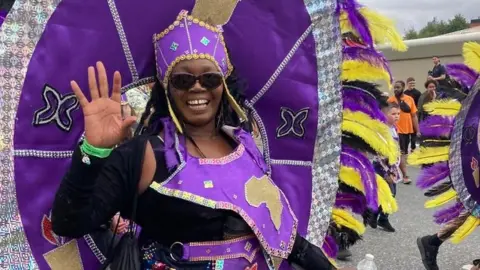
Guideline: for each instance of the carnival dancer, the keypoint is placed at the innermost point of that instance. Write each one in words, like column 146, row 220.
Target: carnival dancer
column 301, row 137
column 192, row 160
column 449, row 156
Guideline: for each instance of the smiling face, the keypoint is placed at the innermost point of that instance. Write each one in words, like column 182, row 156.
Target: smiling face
column 196, row 88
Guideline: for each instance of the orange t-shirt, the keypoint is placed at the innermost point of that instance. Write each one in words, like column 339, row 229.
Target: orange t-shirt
column 405, row 124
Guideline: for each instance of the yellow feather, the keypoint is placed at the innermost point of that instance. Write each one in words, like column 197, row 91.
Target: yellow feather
column 357, row 70
column 471, row 54
column 441, row 199
column 373, row 132
column 351, row 178
column 382, row 29
column 428, row 155
column 385, row 196
column 344, row 219
column 444, row 107
column 465, row 230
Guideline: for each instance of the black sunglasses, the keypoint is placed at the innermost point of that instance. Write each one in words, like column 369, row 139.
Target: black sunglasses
column 185, row 81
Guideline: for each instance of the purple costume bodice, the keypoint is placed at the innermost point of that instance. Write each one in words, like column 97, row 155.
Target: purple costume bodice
column 236, row 182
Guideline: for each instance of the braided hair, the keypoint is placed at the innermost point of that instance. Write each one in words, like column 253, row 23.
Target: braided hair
column 157, row 107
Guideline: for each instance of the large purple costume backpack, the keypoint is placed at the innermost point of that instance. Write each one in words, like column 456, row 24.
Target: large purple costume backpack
column 289, row 52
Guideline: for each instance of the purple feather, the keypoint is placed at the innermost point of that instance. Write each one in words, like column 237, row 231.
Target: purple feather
column 356, row 160
column 446, row 214
column 356, row 100
column 430, row 176
column 355, row 202
column 437, row 126
column 463, row 74
column 358, row 22
column 330, row 247
column 369, row 55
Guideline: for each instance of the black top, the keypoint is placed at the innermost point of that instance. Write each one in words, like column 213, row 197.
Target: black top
column 439, row 70
column 90, row 195
column 414, row 93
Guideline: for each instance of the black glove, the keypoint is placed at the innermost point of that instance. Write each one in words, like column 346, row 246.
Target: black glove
column 308, row 256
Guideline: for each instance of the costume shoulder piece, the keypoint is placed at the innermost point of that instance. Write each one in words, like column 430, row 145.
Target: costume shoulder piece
column 291, row 54
column 449, row 153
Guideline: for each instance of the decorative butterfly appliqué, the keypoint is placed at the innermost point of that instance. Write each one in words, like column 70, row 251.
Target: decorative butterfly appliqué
column 292, row 122
column 58, row 109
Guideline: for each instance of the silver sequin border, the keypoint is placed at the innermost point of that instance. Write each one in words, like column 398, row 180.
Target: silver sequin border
column 19, row 35
column 326, row 163
column 455, row 158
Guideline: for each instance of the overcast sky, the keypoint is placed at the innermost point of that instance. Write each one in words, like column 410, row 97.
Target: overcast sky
column 416, row 13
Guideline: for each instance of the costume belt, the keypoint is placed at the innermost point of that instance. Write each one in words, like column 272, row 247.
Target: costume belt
column 245, row 247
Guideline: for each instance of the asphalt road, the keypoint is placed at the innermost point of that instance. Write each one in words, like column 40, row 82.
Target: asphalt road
column 398, row 250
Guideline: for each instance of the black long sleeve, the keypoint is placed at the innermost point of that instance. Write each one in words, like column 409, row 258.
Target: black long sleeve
column 90, row 195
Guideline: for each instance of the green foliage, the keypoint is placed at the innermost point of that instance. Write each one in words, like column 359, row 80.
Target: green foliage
column 437, row 27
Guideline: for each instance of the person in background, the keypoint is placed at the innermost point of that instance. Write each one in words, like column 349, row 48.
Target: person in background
column 407, row 124
column 438, row 73
column 391, row 173
column 429, row 95
column 415, row 94
column 412, row 91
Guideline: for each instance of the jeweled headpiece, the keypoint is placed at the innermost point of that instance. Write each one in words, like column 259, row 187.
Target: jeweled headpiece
column 195, row 37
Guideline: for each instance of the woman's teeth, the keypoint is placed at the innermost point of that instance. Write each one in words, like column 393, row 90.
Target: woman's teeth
column 198, row 104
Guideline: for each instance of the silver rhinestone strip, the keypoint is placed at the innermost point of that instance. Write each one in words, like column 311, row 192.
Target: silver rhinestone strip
column 263, row 132
column 326, row 163
column 290, row 162
column 123, row 39
column 42, row 153
column 455, row 158
column 282, row 65
column 138, row 83
column 96, row 251
column 19, row 35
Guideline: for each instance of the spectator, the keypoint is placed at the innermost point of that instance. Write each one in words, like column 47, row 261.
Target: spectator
column 407, row 125
column 412, row 91
column 429, row 95
column 415, row 94
column 438, row 73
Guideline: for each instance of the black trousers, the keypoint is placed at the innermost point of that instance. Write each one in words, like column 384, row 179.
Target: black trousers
column 413, row 141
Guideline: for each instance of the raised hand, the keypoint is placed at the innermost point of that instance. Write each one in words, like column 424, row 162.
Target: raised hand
column 104, row 126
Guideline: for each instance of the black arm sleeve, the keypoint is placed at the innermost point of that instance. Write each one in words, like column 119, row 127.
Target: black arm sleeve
column 90, row 195
column 308, row 256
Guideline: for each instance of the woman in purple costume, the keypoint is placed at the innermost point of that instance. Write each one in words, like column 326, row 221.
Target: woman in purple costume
column 194, row 213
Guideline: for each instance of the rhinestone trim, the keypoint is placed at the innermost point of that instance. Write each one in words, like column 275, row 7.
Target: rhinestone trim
column 282, row 65
column 123, row 39
column 263, row 133
column 42, row 153
column 138, row 83
column 224, row 160
column 290, row 162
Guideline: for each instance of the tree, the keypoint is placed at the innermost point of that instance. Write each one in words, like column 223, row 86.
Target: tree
column 437, row 27
column 411, row 34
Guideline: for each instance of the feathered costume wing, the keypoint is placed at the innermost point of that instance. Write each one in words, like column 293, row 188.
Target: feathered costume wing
column 289, row 52
column 449, row 154
column 364, row 129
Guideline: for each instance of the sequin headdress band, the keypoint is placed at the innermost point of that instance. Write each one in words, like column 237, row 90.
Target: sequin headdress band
column 191, row 37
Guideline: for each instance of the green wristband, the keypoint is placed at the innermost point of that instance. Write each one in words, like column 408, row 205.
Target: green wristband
column 91, row 150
